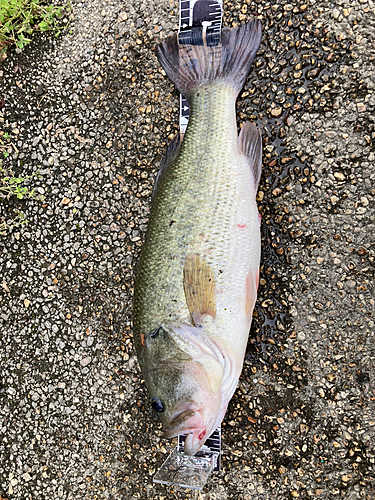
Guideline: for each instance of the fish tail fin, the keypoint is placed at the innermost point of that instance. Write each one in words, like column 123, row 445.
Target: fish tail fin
column 192, row 66
column 250, row 145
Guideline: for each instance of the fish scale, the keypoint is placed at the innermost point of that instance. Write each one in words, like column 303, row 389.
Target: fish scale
column 200, row 195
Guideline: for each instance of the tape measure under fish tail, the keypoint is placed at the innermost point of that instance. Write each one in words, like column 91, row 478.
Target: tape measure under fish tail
column 200, row 24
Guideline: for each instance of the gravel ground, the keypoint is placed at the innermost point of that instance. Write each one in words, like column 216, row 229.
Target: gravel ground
column 93, row 112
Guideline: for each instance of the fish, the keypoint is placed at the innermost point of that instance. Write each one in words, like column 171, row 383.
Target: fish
column 197, row 276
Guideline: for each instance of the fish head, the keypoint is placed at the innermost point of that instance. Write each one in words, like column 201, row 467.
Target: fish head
column 184, row 381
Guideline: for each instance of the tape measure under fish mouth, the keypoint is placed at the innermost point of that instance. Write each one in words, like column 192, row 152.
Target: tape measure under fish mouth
column 200, row 23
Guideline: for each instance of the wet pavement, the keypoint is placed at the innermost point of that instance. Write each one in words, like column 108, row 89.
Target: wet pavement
column 93, row 112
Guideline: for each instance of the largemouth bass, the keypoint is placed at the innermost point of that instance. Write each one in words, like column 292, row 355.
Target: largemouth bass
column 197, row 277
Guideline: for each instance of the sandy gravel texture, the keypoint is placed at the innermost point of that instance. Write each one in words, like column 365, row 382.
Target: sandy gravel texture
column 94, row 112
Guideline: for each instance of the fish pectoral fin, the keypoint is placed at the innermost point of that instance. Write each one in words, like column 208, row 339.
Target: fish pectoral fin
column 200, row 288
column 250, row 145
column 251, row 292
column 172, row 152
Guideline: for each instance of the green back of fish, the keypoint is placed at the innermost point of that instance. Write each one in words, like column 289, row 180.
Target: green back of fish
column 187, row 197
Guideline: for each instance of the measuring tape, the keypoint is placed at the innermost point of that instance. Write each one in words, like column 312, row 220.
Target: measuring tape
column 200, row 21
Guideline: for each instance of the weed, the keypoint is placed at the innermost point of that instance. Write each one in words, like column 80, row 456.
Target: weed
column 11, row 186
column 19, row 19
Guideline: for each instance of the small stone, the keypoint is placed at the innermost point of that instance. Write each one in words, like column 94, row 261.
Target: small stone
column 361, row 107
column 276, row 111
column 26, row 302
column 85, row 361
column 26, row 477
column 289, row 120
column 340, row 176
column 65, row 201
column 334, row 200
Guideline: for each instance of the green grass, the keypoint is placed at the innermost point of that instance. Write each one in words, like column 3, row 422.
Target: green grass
column 19, row 19
column 13, row 187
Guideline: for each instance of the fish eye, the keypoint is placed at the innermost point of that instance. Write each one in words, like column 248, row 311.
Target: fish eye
column 157, row 405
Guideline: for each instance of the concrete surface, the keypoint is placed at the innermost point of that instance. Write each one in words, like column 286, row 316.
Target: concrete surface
column 93, row 112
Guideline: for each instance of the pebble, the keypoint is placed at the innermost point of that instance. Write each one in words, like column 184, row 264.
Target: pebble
column 93, row 114
column 276, row 112
column 85, row 361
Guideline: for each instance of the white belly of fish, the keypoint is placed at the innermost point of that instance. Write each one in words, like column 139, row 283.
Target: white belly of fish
column 231, row 246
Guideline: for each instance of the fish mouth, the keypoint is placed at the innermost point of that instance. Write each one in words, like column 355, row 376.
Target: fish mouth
column 184, row 421
column 189, row 422
column 194, row 441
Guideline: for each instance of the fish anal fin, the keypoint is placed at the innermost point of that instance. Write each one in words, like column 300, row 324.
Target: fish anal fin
column 250, row 145
column 251, row 292
column 200, row 288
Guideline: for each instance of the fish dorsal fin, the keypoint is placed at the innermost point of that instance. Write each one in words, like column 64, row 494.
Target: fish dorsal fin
column 200, row 288
column 172, row 152
column 250, row 145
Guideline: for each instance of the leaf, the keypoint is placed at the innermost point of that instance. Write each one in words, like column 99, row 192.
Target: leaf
column 43, row 26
